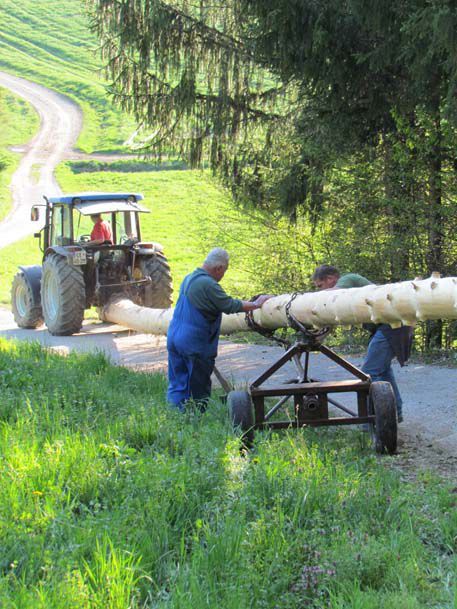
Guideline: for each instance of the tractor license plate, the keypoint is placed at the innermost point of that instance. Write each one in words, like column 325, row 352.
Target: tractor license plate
column 79, row 258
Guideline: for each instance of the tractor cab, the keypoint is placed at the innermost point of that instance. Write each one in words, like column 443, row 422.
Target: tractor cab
column 68, row 218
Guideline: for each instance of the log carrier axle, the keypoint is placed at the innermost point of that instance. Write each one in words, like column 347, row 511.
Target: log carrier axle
column 374, row 405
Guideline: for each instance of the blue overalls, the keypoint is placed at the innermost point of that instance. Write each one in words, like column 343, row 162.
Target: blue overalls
column 192, row 342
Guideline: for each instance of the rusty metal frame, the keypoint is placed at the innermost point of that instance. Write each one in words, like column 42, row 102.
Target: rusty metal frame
column 306, row 391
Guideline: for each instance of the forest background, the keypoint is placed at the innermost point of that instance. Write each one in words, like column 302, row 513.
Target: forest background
column 340, row 116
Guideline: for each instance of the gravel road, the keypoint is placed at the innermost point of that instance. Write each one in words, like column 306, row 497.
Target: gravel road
column 428, row 437
column 60, row 124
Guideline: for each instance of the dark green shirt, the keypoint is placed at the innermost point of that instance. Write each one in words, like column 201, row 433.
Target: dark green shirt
column 400, row 339
column 352, row 280
column 206, row 295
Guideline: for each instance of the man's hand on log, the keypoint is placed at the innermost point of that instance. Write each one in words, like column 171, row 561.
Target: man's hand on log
column 250, row 305
column 260, row 300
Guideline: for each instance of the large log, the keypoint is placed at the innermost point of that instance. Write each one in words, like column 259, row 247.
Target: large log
column 400, row 303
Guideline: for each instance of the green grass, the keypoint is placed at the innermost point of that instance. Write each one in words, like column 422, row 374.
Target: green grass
column 19, row 122
column 110, row 500
column 186, row 212
column 187, row 208
column 50, row 42
column 23, row 252
column 191, row 214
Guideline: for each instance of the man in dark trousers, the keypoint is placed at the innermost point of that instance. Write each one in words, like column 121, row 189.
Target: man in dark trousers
column 193, row 334
column 385, row 342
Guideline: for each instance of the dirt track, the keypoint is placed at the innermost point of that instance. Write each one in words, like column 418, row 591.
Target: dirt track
column 428, row 438
column 61, row 121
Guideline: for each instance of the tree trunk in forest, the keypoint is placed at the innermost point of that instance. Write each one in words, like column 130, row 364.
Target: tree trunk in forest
column 435, row 261
column 396, row 196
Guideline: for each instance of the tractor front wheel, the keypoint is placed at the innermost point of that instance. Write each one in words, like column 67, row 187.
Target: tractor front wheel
column 63, row 296
column 26, row 313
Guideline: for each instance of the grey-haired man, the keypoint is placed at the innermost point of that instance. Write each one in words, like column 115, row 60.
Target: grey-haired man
column 193, row 335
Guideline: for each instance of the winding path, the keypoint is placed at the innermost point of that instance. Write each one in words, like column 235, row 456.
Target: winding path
column 60, row 124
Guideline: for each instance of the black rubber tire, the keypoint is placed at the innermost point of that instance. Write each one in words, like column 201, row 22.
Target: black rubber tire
column 382, row 404
column 241, row 415
column 26, row 314
column 63, row 296
column 158, row 294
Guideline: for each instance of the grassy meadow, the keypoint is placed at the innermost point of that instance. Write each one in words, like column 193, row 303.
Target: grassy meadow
column 49, row 42
column 110, row 500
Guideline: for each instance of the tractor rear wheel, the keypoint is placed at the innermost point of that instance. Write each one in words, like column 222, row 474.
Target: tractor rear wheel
column 381, row 403
column 63, row 296
column 26, row 313
column 157, row 294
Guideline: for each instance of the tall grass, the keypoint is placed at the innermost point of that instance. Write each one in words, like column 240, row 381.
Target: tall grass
column 110, row 499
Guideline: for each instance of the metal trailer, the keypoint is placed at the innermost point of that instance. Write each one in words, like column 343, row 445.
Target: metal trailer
column 375, row 401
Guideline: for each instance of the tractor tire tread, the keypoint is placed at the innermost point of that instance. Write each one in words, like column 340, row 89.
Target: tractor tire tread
column 158, row 294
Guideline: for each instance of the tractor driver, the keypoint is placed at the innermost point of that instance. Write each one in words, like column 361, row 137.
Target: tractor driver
column 385, row 344
column 101, row 231
column 193, row 334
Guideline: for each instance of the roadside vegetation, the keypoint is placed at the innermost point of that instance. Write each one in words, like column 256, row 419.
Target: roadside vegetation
column 111, row 500
column 51, row 43
column 19, row 122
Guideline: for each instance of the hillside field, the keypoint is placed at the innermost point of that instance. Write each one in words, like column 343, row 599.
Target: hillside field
column 19, row 122
column 50, row 42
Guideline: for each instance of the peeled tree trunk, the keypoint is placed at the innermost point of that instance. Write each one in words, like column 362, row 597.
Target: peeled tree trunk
column 400, row 303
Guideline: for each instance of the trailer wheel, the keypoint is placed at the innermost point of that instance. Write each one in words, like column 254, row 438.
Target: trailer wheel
column 381, row 403
column 240, row 409
column 26, row 313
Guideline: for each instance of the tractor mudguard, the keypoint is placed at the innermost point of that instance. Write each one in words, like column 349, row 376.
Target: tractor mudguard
column 63, row 250
column 32, row 275
column 149, row 248
column 74, row 254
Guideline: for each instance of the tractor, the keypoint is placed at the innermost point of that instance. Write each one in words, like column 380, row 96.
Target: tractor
column 76, row 274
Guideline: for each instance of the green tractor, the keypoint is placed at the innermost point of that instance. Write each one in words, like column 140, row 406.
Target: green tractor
column 77, row 274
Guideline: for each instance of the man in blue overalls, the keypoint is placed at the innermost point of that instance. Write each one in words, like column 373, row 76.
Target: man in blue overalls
column 193, row 334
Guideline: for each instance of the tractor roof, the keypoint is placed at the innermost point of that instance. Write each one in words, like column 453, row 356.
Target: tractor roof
column 89, row 203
